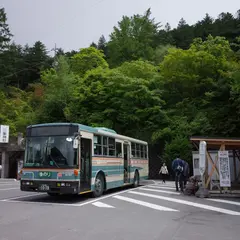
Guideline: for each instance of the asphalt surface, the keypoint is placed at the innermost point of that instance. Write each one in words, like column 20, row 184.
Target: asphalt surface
column 152, row 211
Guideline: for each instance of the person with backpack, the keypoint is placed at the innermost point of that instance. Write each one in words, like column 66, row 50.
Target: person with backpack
column 177, row 167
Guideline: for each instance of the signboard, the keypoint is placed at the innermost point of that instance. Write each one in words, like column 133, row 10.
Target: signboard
column 202, row 157
column 224, row 169
column 4, row 133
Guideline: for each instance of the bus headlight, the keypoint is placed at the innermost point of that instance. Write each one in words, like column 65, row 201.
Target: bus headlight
column 27, row 183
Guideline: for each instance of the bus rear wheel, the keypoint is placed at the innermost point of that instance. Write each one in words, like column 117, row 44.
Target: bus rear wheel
column 136, row 179
column 99, row 186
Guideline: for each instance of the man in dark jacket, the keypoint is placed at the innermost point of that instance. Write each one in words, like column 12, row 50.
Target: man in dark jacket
column 178, row 167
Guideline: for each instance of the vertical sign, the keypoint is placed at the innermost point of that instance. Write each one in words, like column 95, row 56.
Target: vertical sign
column 4, row 133
column 202, row 157
column 224, row 169
column 20, row 166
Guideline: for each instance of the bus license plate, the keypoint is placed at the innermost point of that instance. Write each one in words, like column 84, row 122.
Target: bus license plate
column 43, row 187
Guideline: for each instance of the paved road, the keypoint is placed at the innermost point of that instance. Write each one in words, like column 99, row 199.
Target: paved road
column 152, row 211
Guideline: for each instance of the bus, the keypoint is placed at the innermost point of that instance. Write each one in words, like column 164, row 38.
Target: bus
column 71, row 158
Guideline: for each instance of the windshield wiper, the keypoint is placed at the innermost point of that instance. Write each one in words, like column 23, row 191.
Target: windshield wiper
column 53, row 160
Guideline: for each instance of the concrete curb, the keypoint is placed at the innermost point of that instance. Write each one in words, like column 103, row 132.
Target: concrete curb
column 229, row 195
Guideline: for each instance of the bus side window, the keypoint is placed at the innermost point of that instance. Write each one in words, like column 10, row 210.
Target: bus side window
column 111, row 147
column 138, row 150
column 142, row 151
column 97, row 145
column 145, row 151
column 119, row 149
column 105, row 146
column 133, row 146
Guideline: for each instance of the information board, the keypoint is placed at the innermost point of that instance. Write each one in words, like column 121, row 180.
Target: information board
column 224, row 169
column 4, row 133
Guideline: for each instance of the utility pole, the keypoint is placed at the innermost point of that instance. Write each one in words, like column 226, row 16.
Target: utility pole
column 55, row 50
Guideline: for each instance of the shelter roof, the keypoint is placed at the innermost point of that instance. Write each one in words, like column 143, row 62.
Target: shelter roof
column 216, row 142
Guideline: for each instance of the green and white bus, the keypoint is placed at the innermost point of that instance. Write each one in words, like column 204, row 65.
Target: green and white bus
column 71, row 158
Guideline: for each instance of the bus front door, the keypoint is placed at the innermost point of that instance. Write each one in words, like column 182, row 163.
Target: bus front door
column 85, row 165
column 126, row 152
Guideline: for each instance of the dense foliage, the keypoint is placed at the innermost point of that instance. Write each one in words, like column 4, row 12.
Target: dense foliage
column 160, row 85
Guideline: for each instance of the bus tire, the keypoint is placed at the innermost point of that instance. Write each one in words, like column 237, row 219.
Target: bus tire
column 136, row 179
column 98, row 186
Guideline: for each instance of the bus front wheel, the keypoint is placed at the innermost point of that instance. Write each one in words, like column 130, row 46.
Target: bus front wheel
column 99, row 186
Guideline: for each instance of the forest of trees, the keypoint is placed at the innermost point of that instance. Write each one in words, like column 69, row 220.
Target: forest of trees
column 150, row 82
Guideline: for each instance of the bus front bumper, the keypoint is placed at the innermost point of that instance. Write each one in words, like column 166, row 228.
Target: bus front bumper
column 50, row 186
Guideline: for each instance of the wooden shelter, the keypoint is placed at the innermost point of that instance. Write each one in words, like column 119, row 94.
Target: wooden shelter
column 10, row 154
column 220, row 144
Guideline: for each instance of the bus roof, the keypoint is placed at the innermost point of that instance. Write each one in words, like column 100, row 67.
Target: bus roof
column 96, row 130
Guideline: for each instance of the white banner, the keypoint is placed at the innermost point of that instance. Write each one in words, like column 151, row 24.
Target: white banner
column 224, row 169
column 202, row 157
column 4, row 133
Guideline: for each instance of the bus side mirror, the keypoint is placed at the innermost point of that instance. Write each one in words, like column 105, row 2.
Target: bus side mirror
column 75, row 143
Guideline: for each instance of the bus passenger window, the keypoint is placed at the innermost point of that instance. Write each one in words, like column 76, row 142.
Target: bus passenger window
column 138, row 150
column 97, row 150
column 142, row 151
column 145, row 151
column 105, row 146
column 119, row 149
column 97, row 145
column 111, row 146
column 133, row 146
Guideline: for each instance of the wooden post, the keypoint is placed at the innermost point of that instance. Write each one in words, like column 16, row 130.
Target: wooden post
column 5, row 164
column 235, row 165
column 206, row 169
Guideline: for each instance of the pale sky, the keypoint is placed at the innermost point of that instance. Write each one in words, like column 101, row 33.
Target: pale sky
column 74, row 24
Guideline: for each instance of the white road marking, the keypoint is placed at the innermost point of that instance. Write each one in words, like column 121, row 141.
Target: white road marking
column 5, row 189
column 170, row 188
column 76, row 204
column 224, row 201
column 23, row 196
column 108, row 196
column 44, row 203
column 102, row 205
column 193, row 204
column 146, row 204
column 160, row 191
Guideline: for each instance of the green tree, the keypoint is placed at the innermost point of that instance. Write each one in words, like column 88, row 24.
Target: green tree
column 133, row 39
column 183, row 34
column 196, row 82
column 87, row 59
column 119, row 99
column 58, row 86
column 102, row 45
column 12, row 66
column 36, row 59
column 16, row 110
column 5, row 34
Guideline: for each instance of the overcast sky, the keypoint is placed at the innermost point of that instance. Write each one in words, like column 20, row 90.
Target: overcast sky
column 74, row 24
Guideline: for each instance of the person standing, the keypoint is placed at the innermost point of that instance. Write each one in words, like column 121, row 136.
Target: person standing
column 164, row 172
column 177, row 167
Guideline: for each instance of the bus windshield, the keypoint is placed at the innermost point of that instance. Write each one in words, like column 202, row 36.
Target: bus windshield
column 50, row 151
